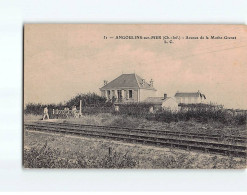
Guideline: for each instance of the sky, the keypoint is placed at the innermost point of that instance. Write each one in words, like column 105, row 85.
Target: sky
column 63, row 60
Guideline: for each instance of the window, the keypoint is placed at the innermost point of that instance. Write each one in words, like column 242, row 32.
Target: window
column 108, row 93
column 119, row 94
column 113, row 93
column 130, row 94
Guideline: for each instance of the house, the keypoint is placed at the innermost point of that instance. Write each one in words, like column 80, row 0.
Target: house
column 166, row 103
column 190, row 97
column 128, row 88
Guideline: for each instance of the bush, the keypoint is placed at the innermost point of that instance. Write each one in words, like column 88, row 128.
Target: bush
column 241, row 119
column 135, row 109
column 199, row 115
column 38, row 109
column 97, row 110
column 47, row 157
column 89, row 99
column 94, row 104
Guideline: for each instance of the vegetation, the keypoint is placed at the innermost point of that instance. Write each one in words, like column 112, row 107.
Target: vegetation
column 58, row 151
column 38, row 109
column 94, row 104
column 135, row 109
column 47, row 157
column 191, row 126
column 202, row 116
column 88, row 100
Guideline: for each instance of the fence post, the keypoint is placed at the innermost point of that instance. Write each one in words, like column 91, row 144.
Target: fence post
column 109, row 151
column 80, row 113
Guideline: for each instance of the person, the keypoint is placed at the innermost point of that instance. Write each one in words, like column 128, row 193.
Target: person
column 56, row 113
column 74, row 112
column 74, row 109
column 46, row 115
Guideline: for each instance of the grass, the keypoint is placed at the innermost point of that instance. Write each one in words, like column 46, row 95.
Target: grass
column 93, row 104
column 47, row 157
column 42, row 150
column 32, row 117
column 63, row 151
column 106, row 119
column 200, row 113
column 192, row 126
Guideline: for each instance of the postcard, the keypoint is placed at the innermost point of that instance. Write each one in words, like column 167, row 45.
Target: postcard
column 134, row 96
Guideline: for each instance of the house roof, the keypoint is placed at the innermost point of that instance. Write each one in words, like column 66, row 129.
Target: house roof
column 128, row 81
column 187, row 94
column 156, row 100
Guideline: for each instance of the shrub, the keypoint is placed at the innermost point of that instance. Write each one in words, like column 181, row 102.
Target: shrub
column 135, row 109
column 38, row 109
column 94, row 104
column 89, row 99
column 200, row 115
column 47, row 157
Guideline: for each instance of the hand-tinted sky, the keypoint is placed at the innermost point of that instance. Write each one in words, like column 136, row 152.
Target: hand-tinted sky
column 62, row 60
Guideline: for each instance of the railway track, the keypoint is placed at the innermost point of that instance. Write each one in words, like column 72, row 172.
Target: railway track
column 198, row 136
column 185, row 141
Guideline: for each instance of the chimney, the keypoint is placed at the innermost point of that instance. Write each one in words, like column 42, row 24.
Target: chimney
column 151, row 83
column 165, row 95
column 143, row 81
column 105, row 82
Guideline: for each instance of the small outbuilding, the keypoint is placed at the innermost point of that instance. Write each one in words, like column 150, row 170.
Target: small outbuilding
column 170, row 104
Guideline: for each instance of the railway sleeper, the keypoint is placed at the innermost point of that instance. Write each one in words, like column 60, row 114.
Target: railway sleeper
column 145, row 130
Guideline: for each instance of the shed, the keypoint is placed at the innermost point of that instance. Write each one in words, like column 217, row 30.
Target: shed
column 170, row 104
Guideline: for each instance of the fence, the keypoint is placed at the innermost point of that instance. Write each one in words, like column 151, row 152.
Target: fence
column 65, row 113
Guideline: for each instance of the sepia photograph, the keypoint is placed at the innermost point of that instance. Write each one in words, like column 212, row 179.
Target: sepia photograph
column 134, row 96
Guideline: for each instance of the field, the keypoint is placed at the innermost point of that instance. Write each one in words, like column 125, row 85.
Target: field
column 44, row 150
column 107, row 119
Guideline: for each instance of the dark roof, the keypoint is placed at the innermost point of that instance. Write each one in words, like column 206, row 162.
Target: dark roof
column 128, row 81
column 187, row 94
column 155, row 100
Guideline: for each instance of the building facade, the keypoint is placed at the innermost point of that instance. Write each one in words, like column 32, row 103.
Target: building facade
column 190, row 97
column 128, row 88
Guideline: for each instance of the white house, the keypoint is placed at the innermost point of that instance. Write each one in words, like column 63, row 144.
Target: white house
column 128, row 88
column 190, row 97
